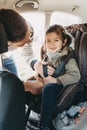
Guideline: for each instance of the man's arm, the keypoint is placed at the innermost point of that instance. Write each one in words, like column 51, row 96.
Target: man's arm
column 29, row 55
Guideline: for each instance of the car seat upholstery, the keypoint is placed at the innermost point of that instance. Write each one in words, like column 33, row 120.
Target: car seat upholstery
column 12, row 109
column 80, row 35
column 76, row 93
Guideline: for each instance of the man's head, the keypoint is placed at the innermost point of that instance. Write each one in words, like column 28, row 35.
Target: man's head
column 16, row 28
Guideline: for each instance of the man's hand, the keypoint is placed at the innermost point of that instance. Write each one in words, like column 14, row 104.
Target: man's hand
column 39, row 68
column 35, row 87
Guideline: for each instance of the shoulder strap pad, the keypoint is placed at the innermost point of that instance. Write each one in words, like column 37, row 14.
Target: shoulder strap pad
column 60, row 68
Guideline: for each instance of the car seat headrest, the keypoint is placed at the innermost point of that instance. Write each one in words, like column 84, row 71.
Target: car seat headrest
column 3, row 40
column 74, row 28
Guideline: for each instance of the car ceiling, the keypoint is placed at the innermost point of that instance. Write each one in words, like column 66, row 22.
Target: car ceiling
column 77, row 7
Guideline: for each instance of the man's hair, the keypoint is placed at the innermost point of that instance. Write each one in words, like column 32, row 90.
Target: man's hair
column 14, row 24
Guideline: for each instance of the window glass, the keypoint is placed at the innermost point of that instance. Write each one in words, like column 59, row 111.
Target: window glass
column 64, row 19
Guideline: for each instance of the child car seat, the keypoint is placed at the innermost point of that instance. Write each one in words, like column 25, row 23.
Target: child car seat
column 73, row 93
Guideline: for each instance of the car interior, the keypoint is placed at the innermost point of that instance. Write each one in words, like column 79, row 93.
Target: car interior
column 41, row 14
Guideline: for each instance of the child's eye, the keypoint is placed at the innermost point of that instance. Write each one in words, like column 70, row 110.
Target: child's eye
column 48, row 41
column 56, row 40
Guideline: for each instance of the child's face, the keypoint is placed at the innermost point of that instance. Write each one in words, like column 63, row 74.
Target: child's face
column 53, row 42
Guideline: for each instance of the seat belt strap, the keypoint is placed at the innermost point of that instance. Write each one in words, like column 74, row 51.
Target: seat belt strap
column 60, row 68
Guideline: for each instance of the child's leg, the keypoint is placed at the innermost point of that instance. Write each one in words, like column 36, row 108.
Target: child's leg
column 49, row 93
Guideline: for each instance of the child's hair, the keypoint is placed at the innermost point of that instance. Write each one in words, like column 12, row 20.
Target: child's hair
column 61, row 32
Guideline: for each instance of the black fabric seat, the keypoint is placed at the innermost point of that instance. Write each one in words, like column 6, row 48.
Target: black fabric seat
column 12, row 108
column 79, row 32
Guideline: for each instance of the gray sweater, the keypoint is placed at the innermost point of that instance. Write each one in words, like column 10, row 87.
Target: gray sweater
column 72, row 73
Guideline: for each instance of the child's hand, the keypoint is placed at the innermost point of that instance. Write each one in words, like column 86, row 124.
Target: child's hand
column 50, row 70
column 50, row 79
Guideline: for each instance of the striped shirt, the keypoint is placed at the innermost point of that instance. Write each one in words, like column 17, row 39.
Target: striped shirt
column 28, row 54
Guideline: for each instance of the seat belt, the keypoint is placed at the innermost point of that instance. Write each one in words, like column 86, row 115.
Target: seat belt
column 60, row 68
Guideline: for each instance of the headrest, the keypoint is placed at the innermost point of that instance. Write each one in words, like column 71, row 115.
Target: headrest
column 76, row 27
column 3, row 40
